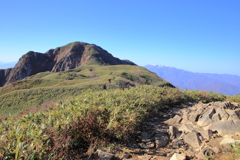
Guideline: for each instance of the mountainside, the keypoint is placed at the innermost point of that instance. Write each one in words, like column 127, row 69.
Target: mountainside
column 65, row 72
column 45, row 87
column 60, row 59
column 219, row 83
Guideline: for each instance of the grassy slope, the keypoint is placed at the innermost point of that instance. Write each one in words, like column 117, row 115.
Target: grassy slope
column 67, row 129
column 94, row 116
column 44, row 87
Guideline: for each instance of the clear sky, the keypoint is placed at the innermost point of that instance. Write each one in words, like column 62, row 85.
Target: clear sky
column 194, row 35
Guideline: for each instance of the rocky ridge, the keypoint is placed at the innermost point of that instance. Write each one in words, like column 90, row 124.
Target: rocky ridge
column 60, row 59
column 190, row 131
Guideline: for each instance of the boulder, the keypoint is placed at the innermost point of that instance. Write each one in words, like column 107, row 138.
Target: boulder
column 173, row 121
column 172, row 131
column 192, row 139
column 192, row 117
column 178, row 156
column 177, row 143
column 216, row 118
column 224, row 105
column 186, row 128
column 225, row 127
column 206, row 118
column 227, row 141
column 235, row 115
column 206, row 134
column 222, row 113
column 161, row 140
column 184, row 112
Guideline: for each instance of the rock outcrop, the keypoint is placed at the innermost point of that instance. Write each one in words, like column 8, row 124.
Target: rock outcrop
column 4, row 73
column 60, row 59
column 190, row 131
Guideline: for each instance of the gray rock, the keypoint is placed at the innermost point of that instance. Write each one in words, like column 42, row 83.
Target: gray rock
column 224, row 105
column 178, row 156
column 184, row 112
column 189, row 153
column 161, row 140
column 179, row 134
column 206, row 118
column 200, row 107
column 204, row 153
column 192, row 139
column 216, row 118
column 177, row 143
column 206, row 134
column 104, row 155
column 175, row 120
column 192, row 117
column 172, row 131
column 223, row 114
column 219, row 104
column 224, row 128
column 235, row 115
column 145, row 137
column 176, row 111
column 186, row 128
column 227, row 141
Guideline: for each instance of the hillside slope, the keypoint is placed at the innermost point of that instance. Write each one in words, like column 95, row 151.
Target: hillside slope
column 48, row 87
column 63, row 58
column 219, row 83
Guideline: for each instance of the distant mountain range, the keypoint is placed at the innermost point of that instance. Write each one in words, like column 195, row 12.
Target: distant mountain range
column 219, row 83
column 4, row 65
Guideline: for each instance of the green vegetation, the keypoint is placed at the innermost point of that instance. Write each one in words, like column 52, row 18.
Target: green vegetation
column 205, row 97
column 45, row 87
column 235, row 98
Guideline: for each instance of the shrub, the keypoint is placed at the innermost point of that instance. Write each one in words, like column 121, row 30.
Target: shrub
column 235, row 98
column 67, row 129
column 203, row 96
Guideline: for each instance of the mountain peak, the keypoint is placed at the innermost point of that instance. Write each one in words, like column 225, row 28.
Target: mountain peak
column 63, row 58
column 155, row 65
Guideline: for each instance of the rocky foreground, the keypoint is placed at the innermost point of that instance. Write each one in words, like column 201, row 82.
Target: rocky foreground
column 190, row 131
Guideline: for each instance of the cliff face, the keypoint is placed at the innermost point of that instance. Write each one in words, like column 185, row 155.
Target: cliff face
column 4, row 74
column 60, row 59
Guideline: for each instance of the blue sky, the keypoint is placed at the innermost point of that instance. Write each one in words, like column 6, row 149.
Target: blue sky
column 194, row 35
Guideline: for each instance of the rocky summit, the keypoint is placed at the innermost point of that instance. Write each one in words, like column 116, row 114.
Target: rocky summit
column 60, row 59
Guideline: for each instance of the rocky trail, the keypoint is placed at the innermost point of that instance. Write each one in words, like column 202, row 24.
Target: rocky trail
column 190, row 131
